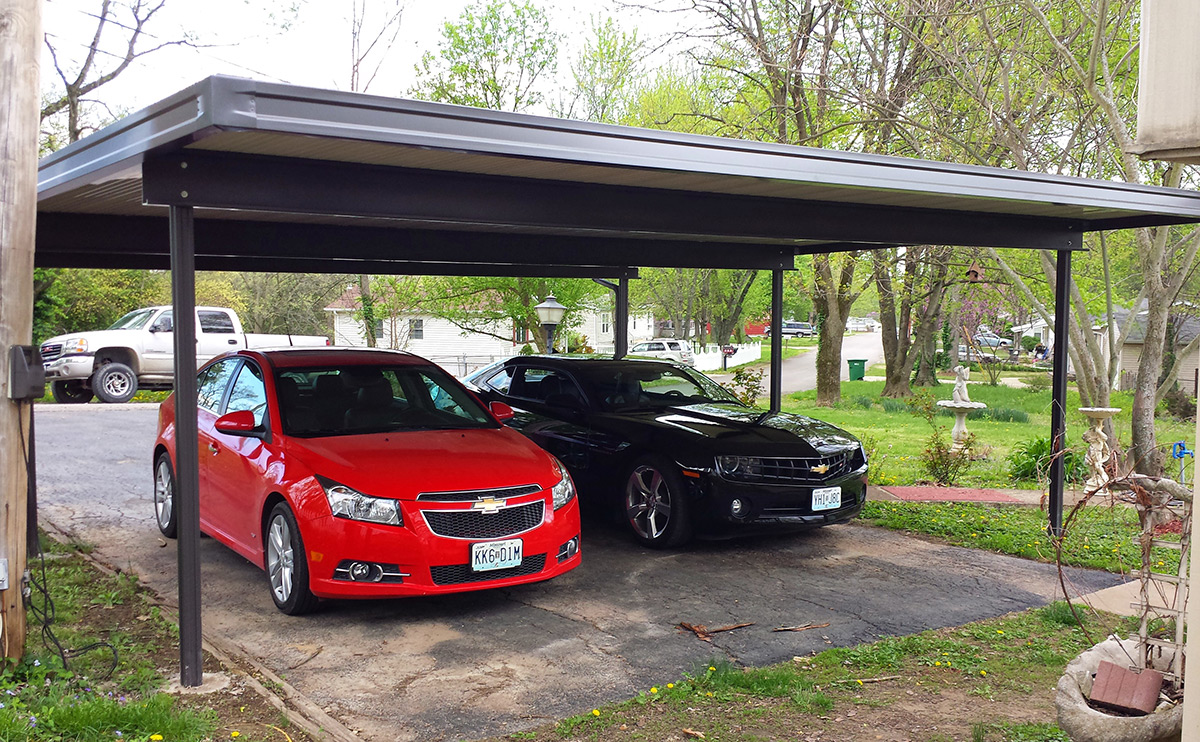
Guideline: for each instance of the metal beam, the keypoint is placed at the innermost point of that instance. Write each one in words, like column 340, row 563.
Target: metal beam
column 776, row 340
column 1058, row 390
column 260, row 183
column 118, row 236
column 187, row 444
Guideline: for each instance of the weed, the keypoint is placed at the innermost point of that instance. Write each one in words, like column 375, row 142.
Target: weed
column 863, row 402
column 1031, row 460
column 1059, row 612
column 893, row 405
column 1006, row 415
column 747, row 384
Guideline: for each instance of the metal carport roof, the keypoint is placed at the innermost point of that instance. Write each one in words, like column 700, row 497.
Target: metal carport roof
column 246, row 175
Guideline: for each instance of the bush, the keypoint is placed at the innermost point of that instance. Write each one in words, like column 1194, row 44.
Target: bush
column 863, row 402
column 1037, row 383
column 747, row 384
column 526, row 350
column 1029, row 342
column 941, row 461
column 1031, row 460
column 1179, row 404
column 894, row 405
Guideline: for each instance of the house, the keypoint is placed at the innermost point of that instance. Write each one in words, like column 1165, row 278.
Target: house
column 462, row 351
column 1186, row 330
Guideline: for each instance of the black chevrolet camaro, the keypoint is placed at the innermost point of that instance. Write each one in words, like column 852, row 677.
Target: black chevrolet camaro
column 675, row 453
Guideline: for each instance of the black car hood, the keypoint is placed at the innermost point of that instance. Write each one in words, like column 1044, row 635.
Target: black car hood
column 732, row 429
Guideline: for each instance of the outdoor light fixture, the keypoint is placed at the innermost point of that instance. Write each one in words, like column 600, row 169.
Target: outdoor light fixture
column 550, row 313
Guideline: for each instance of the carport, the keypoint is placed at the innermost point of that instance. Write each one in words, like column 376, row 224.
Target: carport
column 234, row 174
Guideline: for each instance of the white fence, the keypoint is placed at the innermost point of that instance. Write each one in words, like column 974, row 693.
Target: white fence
column 712, row 358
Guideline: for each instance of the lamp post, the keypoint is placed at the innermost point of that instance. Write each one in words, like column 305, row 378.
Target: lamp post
column 550, row 313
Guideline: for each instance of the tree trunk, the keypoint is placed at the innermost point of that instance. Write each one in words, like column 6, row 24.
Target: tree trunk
column 829, row 358
column 1143, row 448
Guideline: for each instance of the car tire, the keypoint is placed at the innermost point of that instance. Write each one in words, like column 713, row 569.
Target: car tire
column 74, row 391
column 114, row 383
column 164, row 496
column 287, row 567
column 655, row 504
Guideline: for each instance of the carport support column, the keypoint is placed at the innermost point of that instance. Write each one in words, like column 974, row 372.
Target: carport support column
column 621, row 320
column 1058, row 389
column 187, row 443
column 776, row 339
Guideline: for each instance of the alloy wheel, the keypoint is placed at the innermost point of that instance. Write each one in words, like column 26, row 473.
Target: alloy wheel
column 280, row 563
column 648, row 502
column 164, row 494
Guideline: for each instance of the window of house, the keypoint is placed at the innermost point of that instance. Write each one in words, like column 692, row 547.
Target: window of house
column 520, row 334
column 416, row 329
column 604, row 323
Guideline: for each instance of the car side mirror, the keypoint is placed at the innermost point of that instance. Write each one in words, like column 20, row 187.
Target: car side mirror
column 503, row 412
column 240, row 423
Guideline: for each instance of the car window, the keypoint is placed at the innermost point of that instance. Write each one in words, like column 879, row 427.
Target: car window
column 673, row 346
column 544, row 385
column 655, row 346
column 219, row 322
column 211, row 384
column 248, row 393
column 135, row 320
column 164, row 323
column 350, row 400
column 652, row 386
column 500, row 381
column 640, row 347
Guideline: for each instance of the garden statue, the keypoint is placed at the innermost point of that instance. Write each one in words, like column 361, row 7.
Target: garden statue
column 1098, row 452
column 960, row 404
column 961, row 374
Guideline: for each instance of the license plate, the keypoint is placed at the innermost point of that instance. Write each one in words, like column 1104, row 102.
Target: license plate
column 827, row 498
column 496, row 555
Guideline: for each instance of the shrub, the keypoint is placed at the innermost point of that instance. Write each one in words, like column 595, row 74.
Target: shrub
column 1029, row 342
column 526, row 350
column 1031, row 460
column 1037, row 383
column 863, row 402
column 894, row 405
column 1179, row 404
column 942, row 461
column 747, row 384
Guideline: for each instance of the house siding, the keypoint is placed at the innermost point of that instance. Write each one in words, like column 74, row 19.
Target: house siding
column 442, row 342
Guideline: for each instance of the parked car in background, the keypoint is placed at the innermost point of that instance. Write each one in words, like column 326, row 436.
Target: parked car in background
column 367, row 474
column 138, row 351
column 672, row 453
column 795, row 329
column 991, row 340
column 667, row 348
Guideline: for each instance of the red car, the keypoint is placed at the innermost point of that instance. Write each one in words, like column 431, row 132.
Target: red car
column 367, row 474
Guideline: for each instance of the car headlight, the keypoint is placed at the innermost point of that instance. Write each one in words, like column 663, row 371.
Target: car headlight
column 739, row 467
column 74, row 345
column 354, row 505
column 564, row 491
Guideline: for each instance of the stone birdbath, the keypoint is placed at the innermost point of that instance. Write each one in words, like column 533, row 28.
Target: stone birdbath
column 960, row 404
column 1098, row 452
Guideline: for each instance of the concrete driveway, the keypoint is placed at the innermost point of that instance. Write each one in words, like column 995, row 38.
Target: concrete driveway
column 479, row 664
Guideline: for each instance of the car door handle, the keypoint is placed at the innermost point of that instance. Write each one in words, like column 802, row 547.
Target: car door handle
column 231, row 341
column 213, row 449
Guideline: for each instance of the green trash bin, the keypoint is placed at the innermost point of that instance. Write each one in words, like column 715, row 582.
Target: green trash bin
column 858, row 368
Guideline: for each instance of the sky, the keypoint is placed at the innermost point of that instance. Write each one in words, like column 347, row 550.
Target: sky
column 244, row 38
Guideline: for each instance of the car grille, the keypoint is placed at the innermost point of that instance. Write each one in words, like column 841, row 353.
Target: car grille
column 503, row 493
column 457, row 574
column 474, row 524
column 800, row 471
column 50, row 351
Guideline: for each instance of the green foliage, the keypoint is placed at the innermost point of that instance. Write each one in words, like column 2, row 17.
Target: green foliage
column 893, row 405
column 69, row 300
column 606, row 72
column 942, row 459
column 1031, row 460
column 747, row 384
column 1037, row 383
column 863, row 402
column 493, row 56
column 1029, row 342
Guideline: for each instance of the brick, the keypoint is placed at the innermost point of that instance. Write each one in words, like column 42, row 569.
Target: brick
column 1122, row 689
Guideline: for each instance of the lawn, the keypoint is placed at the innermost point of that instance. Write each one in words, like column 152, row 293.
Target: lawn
column 990, row 681
column 98, row 652
column 1013, row 416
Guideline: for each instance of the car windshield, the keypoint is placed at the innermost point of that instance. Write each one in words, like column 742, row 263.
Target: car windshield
column 135, row 320
column 634, row 386
column 350, row 400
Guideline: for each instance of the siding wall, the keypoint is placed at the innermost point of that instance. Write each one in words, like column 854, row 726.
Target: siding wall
column 1131, row 355
column 442, row 342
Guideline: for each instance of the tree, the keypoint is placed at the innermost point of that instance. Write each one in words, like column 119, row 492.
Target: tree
column 606, row 71
column 911, row 286
column 103, row 60
column 494, row 56
column 286, row 302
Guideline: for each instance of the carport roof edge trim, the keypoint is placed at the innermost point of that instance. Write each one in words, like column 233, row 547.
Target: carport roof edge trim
column 229, row 104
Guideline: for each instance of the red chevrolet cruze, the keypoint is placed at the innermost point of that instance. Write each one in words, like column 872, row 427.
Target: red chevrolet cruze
column 367, row 474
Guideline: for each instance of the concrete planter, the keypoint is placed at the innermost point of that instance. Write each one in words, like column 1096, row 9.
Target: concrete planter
column 1085, row 724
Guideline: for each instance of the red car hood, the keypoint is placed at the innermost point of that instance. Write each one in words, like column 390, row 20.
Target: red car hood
column 405, row 464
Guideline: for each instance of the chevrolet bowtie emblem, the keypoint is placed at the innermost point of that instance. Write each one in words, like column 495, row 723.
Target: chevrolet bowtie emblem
column 819, row 469
column 488, row 505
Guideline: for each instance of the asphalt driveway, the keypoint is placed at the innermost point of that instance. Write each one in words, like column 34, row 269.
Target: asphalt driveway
column 479, row 664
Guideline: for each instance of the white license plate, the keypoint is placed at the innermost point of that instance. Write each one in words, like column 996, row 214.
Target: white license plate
column 495, row 555
column 827, row 498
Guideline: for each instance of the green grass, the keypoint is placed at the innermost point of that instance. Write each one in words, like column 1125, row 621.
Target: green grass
column 1002, row 659
column 94, row 699
column 1016, row 416
column 1101, row 538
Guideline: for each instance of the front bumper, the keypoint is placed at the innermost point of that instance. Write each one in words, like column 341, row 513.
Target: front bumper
column 770, row 506
column 69, row 368
column 416, row 561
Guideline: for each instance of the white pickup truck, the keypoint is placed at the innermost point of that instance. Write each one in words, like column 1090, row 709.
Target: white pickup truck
column 138, row 352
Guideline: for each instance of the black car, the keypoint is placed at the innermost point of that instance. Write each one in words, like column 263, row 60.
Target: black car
column 673, row 452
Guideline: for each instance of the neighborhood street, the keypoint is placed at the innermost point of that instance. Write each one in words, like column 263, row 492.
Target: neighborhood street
column 498, row 661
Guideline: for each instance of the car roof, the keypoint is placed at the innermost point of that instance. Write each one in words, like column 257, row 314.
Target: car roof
column 287, row 357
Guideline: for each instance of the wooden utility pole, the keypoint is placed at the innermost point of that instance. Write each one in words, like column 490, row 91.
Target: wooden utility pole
column 20, row 43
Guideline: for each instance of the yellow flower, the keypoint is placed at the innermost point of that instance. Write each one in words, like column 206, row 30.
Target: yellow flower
column 860, row 682
column 670, row 685
column 235, row 734
column 156, row 737
column 654, row 690
column 999, row 631
column 595, row 712
column 713, row 669
column 937, row 664
column 709, row 694
column 1086, row 546
column 983, row 673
